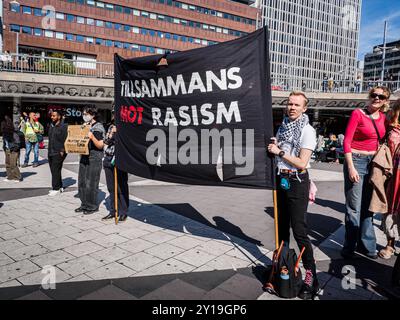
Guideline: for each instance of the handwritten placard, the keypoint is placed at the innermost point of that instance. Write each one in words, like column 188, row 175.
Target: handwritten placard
column 77, row 139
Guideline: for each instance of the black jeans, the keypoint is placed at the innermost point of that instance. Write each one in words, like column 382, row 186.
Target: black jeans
column 123, row 188
column 88, row 180
column 292, row 209
column 55, row 163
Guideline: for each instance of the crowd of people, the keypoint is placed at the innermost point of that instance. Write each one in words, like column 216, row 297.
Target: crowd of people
column 370, row 147
column 28, row 134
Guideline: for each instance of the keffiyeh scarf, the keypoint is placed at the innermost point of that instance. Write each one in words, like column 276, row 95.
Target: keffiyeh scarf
column 289, row 133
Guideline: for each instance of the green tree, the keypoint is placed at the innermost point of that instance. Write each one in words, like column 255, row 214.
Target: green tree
column 57, row 66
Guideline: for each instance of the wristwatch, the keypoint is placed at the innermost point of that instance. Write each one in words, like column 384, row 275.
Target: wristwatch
column 281, row 154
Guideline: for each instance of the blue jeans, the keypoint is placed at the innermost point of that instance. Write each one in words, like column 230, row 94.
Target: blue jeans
column 360, row 234
column 29, row 146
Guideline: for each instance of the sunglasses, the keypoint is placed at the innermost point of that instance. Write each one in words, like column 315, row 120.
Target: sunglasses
column 380, row 96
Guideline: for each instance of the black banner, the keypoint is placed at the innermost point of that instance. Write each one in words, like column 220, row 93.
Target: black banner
column 202, row 116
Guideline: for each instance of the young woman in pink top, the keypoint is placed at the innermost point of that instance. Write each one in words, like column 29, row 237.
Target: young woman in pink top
column 360, row 145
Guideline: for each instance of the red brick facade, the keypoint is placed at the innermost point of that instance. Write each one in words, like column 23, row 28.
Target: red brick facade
column 104, row 53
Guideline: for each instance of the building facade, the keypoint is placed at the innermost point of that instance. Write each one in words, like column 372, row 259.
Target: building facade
column 311, row 40
column 373, row 64
column 88, row 29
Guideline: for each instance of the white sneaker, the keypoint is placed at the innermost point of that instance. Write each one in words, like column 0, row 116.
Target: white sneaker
column 61, row 190
column 52, row 193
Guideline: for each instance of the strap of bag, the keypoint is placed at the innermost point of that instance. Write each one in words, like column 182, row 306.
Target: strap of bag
column 380, row 141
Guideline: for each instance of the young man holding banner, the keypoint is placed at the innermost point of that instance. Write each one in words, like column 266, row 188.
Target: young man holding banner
column 293, row 146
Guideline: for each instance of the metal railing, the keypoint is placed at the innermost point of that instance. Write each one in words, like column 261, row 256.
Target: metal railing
column 55, row 66
column 94, row 69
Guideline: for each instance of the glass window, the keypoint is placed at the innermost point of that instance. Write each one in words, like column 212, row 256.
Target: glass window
column 100, row 4
column 184, row 22
column 175, row 37
column 26, row 10
column 82, row 2
column 135, row 30
column 143, row 31
column 183, row 38
column 135, row 47
column 60, row 35
column 109, row 25
column 127, row 28
column 37, row 32
column 160, row 51
column 219, row 14
column 109, row 43
column 145, row 14
column 152, row 50
column 48, row 34
column 14, row 7
column 143, row 48
column 127, row 46
column 152, row 33
column 160, row 34
column 176, row 20
column 70, row 18
column 99, row 41
column 117, row 26
column 109, row 6
column 136, row 13
column 89, row 40
column 37, row 12
column 127, row 10
column 69, row 37
column 118, row 9
column 161, row 17
column 99, row 23
column 79, row 38
column 153, row 16
column 15, row 28
column 204, row 42
column 118, row 44
column 90, row 2
column 80, row 20
column 185, row 6
column 60, row 16
column 27, row 30
column 90, row 21
column 167, row 36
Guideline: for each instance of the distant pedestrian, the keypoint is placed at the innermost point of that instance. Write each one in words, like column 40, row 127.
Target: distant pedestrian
column 122, row 178
column 90, row 165
column 303, row 86
column 58, row 132
column 11, row 147
column 331, row 84
column 33, row 131
column 325, row 83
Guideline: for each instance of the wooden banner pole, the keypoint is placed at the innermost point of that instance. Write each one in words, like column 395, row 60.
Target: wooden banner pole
column 116, row 194
column 276, row 219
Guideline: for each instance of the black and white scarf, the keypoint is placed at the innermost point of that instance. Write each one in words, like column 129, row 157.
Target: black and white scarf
column 289, row 133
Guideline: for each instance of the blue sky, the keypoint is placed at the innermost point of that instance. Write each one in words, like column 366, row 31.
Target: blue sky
column 374, row 13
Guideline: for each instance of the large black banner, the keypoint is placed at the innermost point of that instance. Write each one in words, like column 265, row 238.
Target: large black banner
column 202, row 116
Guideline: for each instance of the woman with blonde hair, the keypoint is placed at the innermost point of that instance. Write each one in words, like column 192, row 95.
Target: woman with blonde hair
column 364, row 131
column 391, row 220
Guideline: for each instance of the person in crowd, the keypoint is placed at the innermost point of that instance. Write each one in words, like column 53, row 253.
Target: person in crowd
column 361, row 142
column 58, row 132
column 33, row 131
column 325, row 83
column 391, row 220
column 295, row 142
column 331, row 84
column 122, row 177
column 90, row 165
column 330, row 147
column 11, row 147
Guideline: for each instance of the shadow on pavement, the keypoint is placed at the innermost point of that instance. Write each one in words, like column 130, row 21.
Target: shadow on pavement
column 198, row 227
column 67, row 182
column 337, row 206
column 23, row 174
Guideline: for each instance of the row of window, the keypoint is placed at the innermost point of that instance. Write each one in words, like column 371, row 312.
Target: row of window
column 117, row 26
column 176, row 4
column 156, row 16
column 84, row 39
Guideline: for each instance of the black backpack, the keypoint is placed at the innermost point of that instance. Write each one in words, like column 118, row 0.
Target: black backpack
column 285, row 280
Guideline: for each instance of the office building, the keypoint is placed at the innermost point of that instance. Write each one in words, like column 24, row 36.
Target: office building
column 312, row 39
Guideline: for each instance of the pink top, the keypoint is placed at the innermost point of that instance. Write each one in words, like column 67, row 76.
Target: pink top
column 361, row 134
